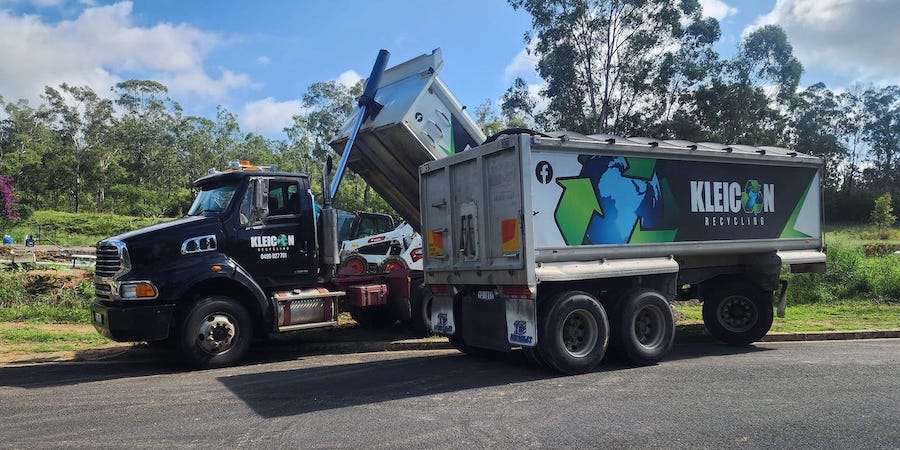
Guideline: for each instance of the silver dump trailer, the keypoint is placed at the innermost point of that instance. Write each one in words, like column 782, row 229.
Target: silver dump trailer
column 563, row 244
column 420, row 121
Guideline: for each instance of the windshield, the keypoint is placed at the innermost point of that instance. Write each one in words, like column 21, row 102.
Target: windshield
column 212, row 199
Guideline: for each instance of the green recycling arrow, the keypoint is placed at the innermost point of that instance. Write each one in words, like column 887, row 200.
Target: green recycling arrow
column 641, row 236
column 640, row 168
column 577, row 206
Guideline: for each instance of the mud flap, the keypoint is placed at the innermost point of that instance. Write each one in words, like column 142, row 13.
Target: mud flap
column 521, row 322
column 442, row 321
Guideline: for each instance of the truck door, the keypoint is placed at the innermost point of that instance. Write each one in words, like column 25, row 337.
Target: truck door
column 276, row 235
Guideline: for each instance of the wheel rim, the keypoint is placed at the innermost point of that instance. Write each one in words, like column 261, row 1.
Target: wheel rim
column 392, row 266
column 579, row 333
column 354, row 266
column 649, row 327
column 217, row 333
column 737, row 314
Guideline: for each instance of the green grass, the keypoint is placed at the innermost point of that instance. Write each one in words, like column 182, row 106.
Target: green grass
column 81, row 229
column 836, row 317
column 32, row 339
column 44, row 314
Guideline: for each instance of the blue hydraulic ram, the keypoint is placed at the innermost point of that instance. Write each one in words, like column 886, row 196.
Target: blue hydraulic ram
column 368, row 107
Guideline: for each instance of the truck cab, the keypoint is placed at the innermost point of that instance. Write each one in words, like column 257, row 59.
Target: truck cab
column 242, row 263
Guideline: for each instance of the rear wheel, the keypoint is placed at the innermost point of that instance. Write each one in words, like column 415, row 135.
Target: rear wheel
column 573, row 332
column 216, row 331
column 643, row 328
column 738, row 312
column 420, row 310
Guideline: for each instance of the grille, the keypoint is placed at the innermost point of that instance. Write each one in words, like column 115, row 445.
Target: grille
column 109, row 261
column 102, row 291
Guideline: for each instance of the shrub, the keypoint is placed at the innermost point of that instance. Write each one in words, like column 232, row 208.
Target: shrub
column 883, row 213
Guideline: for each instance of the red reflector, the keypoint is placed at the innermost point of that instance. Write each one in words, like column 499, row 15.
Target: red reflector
column 515, row 292
column 441, row 289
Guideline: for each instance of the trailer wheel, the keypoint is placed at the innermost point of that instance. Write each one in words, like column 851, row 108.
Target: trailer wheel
column 643, row 328
column 573, row 332
column 420, row 309
column 738, row 312
column 215, row 332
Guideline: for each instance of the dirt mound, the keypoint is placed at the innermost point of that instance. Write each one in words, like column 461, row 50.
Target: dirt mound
column 48, row 281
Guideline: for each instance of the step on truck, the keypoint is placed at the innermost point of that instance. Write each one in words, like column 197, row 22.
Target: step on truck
column 567, row 245
column 254, row 256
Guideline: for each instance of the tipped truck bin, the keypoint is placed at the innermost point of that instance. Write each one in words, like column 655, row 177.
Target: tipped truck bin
column 420, row 122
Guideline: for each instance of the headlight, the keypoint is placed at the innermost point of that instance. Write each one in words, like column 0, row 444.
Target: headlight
column 137, row 290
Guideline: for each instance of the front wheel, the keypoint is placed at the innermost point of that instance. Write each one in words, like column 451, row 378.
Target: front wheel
column 215, row 332
column 573, row 332
column 738, row 313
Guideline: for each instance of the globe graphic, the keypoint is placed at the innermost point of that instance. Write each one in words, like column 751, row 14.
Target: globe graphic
column 624, row 199
column 751, row 199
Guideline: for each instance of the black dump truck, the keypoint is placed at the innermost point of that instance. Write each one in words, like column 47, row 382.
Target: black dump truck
column 254, row 256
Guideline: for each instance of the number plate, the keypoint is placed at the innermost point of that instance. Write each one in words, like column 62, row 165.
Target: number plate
column 485, row 295
column 98, row 317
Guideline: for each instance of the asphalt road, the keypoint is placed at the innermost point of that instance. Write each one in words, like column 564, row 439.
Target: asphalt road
column 842, row 394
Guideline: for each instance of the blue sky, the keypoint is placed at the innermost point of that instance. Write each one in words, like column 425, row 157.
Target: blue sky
column 257, row 58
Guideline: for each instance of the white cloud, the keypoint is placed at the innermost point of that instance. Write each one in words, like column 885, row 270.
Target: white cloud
column 264, row 60
column 717, row 9
column 855, row 38
column 268, row 115
column 349, row 78
column 36, row 3
column 101, row 45
column 522, row 65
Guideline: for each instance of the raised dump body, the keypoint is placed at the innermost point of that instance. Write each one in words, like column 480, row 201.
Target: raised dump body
column 529, row 239
column 420, row 122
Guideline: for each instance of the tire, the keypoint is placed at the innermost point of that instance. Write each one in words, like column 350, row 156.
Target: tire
column 457, row 341
column 643, row 327
column 533, row 355
column 392, row 263
column 420, row 310
column 738, row 312
column 216, row 331
column 353, row 264
column 573, row 332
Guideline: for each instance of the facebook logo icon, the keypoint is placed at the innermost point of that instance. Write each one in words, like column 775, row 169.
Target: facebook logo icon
column 544, row 172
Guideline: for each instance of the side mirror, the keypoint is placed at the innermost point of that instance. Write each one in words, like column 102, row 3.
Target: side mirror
column 260, row 199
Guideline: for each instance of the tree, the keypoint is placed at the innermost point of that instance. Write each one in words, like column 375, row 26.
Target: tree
column 83, row 121
column 735, row 108
column 882, row 133
column 517, row 105
column 602, row 59
column 9, row 202
column 487, row 119
column 883, row 212
column 815, row 127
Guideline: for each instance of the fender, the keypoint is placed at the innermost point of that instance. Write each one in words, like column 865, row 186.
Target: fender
column 242, row 276
column 230, row 269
